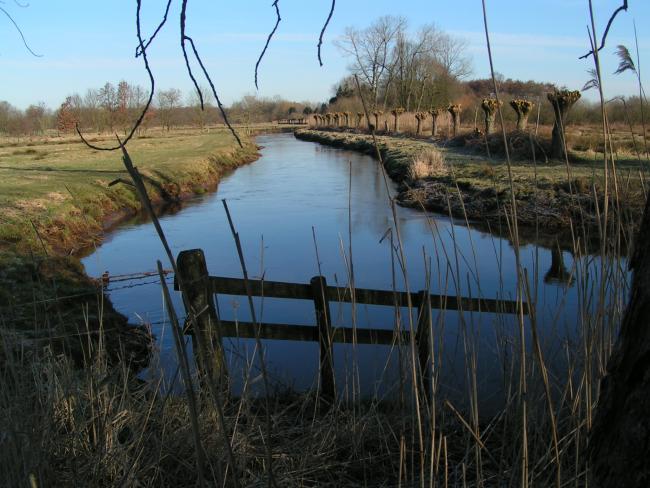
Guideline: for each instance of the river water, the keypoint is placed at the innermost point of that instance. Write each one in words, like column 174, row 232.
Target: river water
column 300, row 189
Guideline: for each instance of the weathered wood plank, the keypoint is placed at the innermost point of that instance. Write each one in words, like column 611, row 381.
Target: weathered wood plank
column 269, row 289
column 278, row 289
column 308, row 333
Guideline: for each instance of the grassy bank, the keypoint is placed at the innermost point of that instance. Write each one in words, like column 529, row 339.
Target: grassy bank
column 58, row 197
column 465, row 183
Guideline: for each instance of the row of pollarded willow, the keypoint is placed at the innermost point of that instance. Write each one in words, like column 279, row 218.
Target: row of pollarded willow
column 521, row 106
column 342, row 119
column 562, row 101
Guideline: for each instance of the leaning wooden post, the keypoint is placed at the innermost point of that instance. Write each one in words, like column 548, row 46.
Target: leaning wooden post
column 423, row 338
column 199, row 300
column 322, row 305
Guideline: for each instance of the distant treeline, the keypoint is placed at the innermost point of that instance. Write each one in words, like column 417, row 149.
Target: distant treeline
column 115, row 108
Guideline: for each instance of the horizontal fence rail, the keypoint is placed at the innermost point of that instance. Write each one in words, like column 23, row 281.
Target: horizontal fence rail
column 279, row 289
column 208, row 329
column 307, row 333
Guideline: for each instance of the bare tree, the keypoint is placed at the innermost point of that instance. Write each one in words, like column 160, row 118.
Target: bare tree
column 409, row 56
column 451, row 54
column 562, row 101
column 108, row 101
column 168, row 101
column 371, row 49
column 523, row 108
column 490, row 106
column 200, row 114
column 35, row 118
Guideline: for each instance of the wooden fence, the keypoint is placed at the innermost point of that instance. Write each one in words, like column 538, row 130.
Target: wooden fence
column 200, row 289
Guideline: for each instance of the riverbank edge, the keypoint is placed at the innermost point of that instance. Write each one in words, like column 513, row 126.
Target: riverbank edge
column 552, row 209
column 71, row 302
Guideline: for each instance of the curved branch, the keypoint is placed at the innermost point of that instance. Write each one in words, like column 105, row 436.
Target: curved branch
column 268, row 40
column 138, row 52
column 322, row 32
column 22, row 36
column 214, row 92
column 143, row 52
column 609, row 24
column 184, row 38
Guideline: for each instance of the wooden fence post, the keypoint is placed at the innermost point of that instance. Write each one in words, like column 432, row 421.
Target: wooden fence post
column 423, row 337
column 322, row 305
column 199, row 300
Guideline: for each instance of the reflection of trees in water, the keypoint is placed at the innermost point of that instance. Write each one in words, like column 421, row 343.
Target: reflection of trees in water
column 557, row 272
column 369, row 188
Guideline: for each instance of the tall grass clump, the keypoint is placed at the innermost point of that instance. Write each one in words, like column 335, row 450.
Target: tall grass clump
column 428, row 162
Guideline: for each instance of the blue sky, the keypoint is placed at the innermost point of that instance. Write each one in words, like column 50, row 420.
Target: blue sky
column 84, row 46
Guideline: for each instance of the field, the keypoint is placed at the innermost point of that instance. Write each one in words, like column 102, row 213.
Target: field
column 56, row 193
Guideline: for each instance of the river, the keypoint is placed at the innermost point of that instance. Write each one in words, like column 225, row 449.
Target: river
column 300, row 189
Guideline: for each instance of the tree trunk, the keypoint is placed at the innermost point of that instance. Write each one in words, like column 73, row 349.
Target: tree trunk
column 489, row 122
column 417, row 130
column 620, row 438
column 522, row 121
column 455, row 120
column 557, row 140
column 396, row 124
column 434, row 125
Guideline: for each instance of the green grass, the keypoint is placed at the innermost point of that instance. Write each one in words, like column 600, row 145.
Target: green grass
column 59, row 193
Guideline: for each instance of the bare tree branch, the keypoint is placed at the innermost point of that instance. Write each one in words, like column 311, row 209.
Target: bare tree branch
column 322, row 32
column 214, row 93
column 609, row 24
column 143, row 52
column 22, row 36
column 185, row 37
column 153, row 36
column 268, row 40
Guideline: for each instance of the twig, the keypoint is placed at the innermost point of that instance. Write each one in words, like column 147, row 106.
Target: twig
column 187, row 378
column 138, row 50
column 268, row 40
column 242, row 261
column 322, row 32
column 184, row 38
column 152, row 82
column 214, row 92
column 22, row 36
column 609, row 24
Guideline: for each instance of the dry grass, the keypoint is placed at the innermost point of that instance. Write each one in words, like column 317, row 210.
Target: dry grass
column 427, row 163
